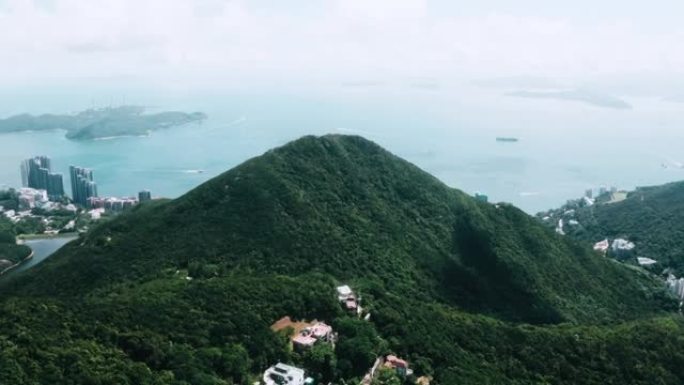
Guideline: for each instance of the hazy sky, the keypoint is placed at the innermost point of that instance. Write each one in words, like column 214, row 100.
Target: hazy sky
column 224, row 43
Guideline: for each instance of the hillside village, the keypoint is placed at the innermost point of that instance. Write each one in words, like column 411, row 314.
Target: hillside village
column 304, row 336
column 573, row 218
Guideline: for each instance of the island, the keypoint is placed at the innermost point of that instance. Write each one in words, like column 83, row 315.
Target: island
column 101, row 123
column 506, row 139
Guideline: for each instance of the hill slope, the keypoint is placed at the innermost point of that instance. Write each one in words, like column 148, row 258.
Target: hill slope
column 346, row 207
column 651, row 217
column 447, row 280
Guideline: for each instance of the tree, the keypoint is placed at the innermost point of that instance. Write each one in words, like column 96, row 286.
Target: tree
column 321, row 361
column 386, row 376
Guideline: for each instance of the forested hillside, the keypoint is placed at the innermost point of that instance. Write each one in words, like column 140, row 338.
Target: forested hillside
column 184, row 291
column 651, row 217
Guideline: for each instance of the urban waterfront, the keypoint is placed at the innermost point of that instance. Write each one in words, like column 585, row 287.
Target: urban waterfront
column 553, row 161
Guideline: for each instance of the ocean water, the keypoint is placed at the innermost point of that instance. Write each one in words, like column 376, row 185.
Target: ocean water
column 564, row 147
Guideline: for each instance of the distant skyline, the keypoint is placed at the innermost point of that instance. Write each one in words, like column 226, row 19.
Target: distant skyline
column 615, row 46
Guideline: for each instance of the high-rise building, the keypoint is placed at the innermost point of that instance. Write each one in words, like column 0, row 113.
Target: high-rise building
column 55, row 186
column 144, row 195
column 82, row 185
column 25, row 167
column 36, row 173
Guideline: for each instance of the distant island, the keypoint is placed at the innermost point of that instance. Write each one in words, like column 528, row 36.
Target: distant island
column 101, row 123
column 506, row 139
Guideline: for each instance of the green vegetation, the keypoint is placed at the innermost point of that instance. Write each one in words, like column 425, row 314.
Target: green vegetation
column 651, row 217
column 9, row 199
column 101, row 123
column 10, row 252
column 184, row 291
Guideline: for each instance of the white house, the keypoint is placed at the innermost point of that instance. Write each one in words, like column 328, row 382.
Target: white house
column 281, row 374
column 344, row 292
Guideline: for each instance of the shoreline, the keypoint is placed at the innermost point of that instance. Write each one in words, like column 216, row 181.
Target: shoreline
column 9, row 268
column 31, row 237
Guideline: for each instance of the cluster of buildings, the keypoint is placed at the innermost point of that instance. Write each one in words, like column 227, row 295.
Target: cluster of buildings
column 589, row 193
column 306, row 335
column 37, row 173
column 619, row 246
column 30, row 198
column 111, row 203
column 37, row 177
column 622, row 248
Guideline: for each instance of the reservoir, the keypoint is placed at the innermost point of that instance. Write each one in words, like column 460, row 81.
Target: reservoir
column 42, row 249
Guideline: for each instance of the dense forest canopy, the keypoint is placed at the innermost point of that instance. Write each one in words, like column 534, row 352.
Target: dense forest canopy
column 651, row 217
column 184, row 291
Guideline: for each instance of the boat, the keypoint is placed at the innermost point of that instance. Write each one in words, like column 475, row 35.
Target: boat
column 506, row 139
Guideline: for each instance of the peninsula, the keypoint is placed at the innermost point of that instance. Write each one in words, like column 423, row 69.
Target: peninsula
column 101, row 123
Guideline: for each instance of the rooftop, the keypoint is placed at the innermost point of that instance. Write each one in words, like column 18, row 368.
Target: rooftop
column 282, row 374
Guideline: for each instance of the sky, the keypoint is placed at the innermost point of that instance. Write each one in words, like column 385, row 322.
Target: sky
column 623, row 46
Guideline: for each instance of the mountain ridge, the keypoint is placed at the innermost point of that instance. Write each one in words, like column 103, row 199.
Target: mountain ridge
column 350, row 199
column 184, row 291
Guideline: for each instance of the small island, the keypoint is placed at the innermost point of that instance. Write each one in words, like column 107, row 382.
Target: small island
column 101, row 123
column 506, row 139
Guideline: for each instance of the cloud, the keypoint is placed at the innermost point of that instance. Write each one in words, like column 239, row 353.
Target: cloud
column 527, row 82
column 576, row 95
column 224, row 42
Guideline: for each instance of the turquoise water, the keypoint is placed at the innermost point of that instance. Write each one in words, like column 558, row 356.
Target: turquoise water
column 564, row 147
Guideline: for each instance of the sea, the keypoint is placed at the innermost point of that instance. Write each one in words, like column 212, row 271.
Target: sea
column 564, row 147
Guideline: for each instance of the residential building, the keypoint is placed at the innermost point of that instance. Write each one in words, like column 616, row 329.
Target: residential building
column 282, row 374
column 308, row 337
column 144, row 196
column 82, row 185
column 602, row 246
column 399, row 365
column 643, row 261
column 36, row 173
column 676, row 285
column 30, row 198
column 344, row 292
column 304, row 341
column 347, row 297
column 622, row 245
column 111, row 203
column 55, row 186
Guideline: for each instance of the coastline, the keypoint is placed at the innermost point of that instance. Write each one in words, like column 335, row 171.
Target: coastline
column 147, row 135
column 9, row 268
column 31, row 237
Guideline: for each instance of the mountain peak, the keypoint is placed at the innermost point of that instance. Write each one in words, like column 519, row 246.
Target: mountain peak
column 345, row 207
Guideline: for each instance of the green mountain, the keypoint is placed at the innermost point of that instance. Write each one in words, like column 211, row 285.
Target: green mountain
column 184, row 291
column 651, row 217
